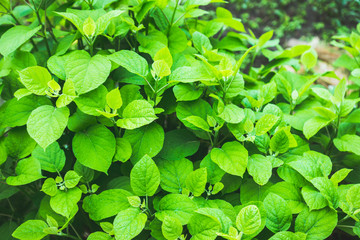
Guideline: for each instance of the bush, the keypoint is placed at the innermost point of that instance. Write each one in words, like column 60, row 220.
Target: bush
column 141, row 120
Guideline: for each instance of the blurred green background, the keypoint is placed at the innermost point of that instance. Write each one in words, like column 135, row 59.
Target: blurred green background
column 302, row 19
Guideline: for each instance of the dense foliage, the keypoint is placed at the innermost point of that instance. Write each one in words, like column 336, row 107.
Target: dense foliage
column 138, row 120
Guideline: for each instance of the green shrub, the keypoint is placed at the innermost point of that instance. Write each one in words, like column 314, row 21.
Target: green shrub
column 140, row 120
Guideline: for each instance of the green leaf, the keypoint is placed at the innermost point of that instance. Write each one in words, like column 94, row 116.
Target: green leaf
column 74, row 19
column 22, row 92
column 285, row 235
column 214, row 172
column 198, row 108
column 313, row 125
column 65, row 202
column 348, row 143
column 291, row 194
column 232, row 114
column 279, row 143
column 145, row 177
column 179, row 144
column 123, row 150
column 5, row 5
column 99, row 236
column 353, row 197
column 87, row 72
column 3, row 153
column 248, row 220
column 202, row 227
column 177, row 40
column 198, row 122
column 68, row 94
column 327, row 189
column 340, row 91
column 106, row 204
column 136, row 114
column 16, row 112
column 340, row 175
column 46, row 124
column 35, row 79
column 260, row 168
column 27, row 170
column 196, row 181
column 219, row 215
column 80, row 121
column 31, row 230
column 186, row 92
column 16, row 36
column 173, row 174
column 187, row 74
column 200, row 41
column 52, row 159
column 164, row 54
column 113, row 99
column 312, row 165
column 232, row 158
column 313, row 198
column 95, row 147
column 309, row 58
column 71, row 179
column 225, row 16
column 131, row 61
column 171, row 228
column 265, row 123
column 90, row 102
column 18, row 143
column 129, row 223
column 89, row 27
column 264, row 38
column 176, row 205
column 49, row 187
column 278, row 213
column 161, row 69
column 317, row 224
column 145, row 140
column 103, row 21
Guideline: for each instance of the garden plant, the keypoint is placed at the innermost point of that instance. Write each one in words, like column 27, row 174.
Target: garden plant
column 145, row 119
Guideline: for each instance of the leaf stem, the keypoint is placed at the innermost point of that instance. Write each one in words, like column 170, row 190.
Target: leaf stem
column 165, row 16
column 77, row 234
column 345, row 226
column 152, row 89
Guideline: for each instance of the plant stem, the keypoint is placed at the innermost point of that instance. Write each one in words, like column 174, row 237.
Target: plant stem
column 211, row 141
column 330, row 144
column 43, row 28
column 50, row 29
column 152, row 89
column 173, row 16
column 165, row 16
column 252, row 62
column 77, row 234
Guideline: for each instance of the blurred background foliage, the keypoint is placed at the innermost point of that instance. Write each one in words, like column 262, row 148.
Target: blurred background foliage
column 302, row 19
